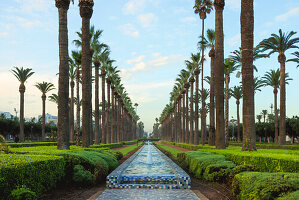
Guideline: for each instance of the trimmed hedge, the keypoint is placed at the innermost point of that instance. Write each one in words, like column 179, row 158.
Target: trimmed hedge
column 33, row 144
column 39, row 173
column 208, row 166
column 263, row 185
column 290, row 196
column 264, row 162
column 183, row 145
column 269, row 146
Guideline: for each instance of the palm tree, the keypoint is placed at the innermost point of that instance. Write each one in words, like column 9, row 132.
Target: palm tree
column 53, row 98
column 201, row 7
column 280, row 44
column 98, row 49
column 272, row 79
column 44, row 87
column 63, row 88
column 264, row 113
column 219, row 71
column 296, row 59
column 229, row 67
column 76, row 56
column 210, row 42
column 72, row 76
column 247, row 25
column 237, row 93
column 86, row 10
column 22, row 74
column 259, row 118
column 205, row 96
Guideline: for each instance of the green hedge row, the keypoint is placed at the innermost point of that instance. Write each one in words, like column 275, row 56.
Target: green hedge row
column 263, row 162
column 207, row 166
column 183, row 145
column 269, row 146
column 262, row 185
column 33, row 144
column 40, row 173
column 148, row 139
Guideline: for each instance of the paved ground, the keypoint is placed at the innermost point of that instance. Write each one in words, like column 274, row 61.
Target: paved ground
column 147, row 194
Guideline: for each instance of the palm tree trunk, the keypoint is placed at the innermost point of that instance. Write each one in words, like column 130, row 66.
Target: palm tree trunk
column 112, row 116
column 184, row 118
column 219, row 71
column 238, row 120
column 97, row 106
column 202, row 115
column 72, row 112
column 226, row 109
column 276, row 115
column 212, row 99
column 196, row 134
column 104, row 133
column 78, row 107
column 44, row 118
column 187, row 140
column 282, row 127
column 63, row 82
column 118, row 119
column 108, row 139
column 86, row 13
column 191, row 111
column 247, row 25
column 180, row 118
column 22, row 91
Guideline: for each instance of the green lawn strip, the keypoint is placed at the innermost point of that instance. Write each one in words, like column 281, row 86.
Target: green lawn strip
column 171, row 150
column 126, row 150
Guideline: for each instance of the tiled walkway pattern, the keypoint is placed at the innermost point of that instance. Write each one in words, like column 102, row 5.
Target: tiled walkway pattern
column 147, row 194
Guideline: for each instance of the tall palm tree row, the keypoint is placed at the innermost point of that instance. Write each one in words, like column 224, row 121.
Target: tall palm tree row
column 202, row 8
column 237, row 93
column 44, row 87
column 280, row 43
column 22, row 74
column 272, row 78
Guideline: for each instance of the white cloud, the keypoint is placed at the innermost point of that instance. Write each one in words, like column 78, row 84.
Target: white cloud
column 291, row 13
column 26, row 23
column 160, row 61
column 235, row 40
column 30, row 6
column 130, row 30
column 135, row 60
column 3, row 34
column 134, row 6
column 148, row 19
column 188, row 19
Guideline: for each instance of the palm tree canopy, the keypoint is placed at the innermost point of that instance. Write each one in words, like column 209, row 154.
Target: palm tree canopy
column 194, row 62
column 279, row 43
column 296, row 59
column 236, row 92
column 22, row 74
column 202, row 7
column 45, row 87
column 53, row 98
column 236, row 57
column 206, row 94
column 272, row 78
column 229, row 66
column 72, row 68
column 258, row 83
column 208, row 41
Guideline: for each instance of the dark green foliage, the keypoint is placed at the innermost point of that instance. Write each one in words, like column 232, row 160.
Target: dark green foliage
column 83, row 177
column 108, row 157
column 39, row 175
column 22, row 193
column 238, row 169
column 34, row 144
column 183, row 145
column 117, row 154
column 264, row 185
column 148, row 139
column 290, row 196
column 111, row 146
column 269, row 146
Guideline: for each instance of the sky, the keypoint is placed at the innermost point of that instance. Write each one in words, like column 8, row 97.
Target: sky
column 149, row 39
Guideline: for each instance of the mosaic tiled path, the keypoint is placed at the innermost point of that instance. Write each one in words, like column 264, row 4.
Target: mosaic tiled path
column 147, row 194
column 137, row 178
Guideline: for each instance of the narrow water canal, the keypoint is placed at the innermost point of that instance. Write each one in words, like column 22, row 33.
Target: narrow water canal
column 148, row 174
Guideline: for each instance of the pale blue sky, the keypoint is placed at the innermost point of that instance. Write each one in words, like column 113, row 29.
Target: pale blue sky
column 150, row 39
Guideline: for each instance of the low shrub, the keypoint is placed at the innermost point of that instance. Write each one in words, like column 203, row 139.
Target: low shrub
column 290, row 196
column 238, row 169
column 111, row 146
column 39, row 173
column 33, row 144
column 173, row 151
column 22, row 193
column 269, row 146
column 117, row 154
column 208, row 166
column 128, row 149
column 264, row 185
column 83, row 177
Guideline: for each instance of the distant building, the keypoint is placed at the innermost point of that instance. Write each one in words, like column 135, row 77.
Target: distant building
column 50, row 118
